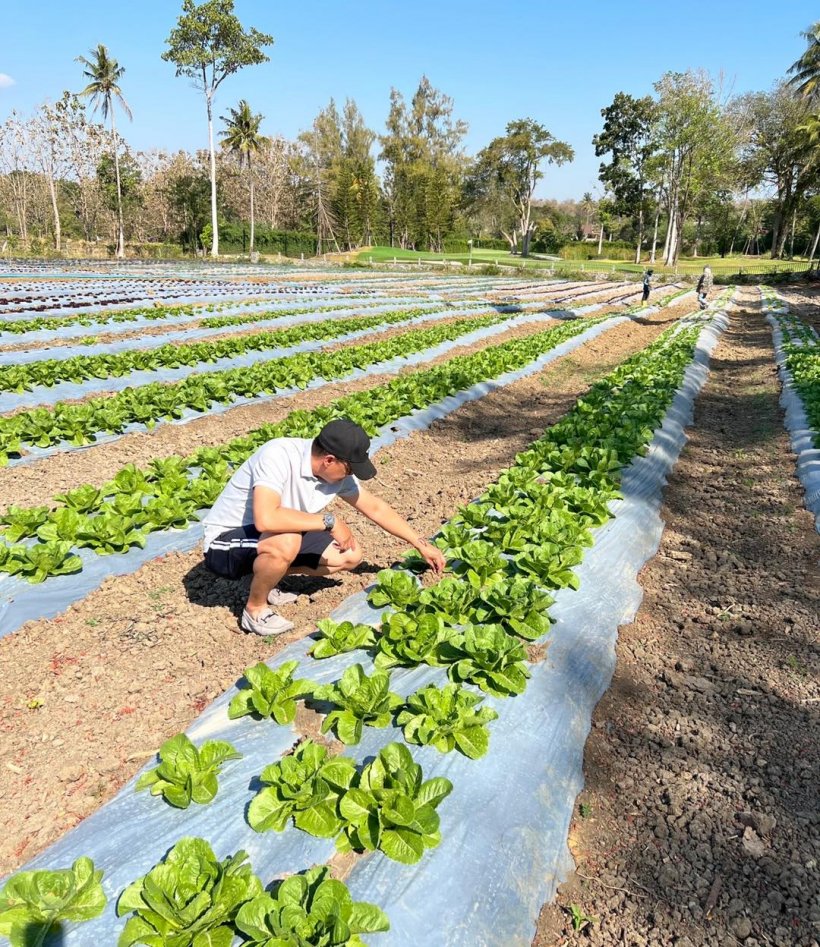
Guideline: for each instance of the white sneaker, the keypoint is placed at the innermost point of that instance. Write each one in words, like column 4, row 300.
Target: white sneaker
column 267, row 622
column 278, row 598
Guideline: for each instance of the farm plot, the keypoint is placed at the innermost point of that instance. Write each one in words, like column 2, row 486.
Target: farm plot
column 506, row 357
column 125, row 512
column 80, row 423
column 622, row 414
column 797, row 352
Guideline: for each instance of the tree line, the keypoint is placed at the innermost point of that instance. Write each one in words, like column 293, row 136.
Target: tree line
column 687, row 169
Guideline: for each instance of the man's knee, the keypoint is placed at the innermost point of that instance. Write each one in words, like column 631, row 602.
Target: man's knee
column 282, row 548
column 350, row 558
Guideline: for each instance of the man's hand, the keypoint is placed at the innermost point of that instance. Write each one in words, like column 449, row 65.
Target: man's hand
column 432, row 556
column 342, row 535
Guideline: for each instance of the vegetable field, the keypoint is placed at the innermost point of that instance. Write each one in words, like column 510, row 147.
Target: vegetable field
column 403, row 767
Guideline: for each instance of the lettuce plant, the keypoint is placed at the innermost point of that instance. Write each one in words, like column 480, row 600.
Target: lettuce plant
column 190, row 899
column 487, row 656
column 480, row 563
column 36, row 563
column 360, row 700
column 338, row 637
column 309, row 909
column 391, row 809
column 271, row 693
column 395, row 588
column 306, row 787
column 519, row 605
column 410, row 639
column 34, row 904
column 22, row 522
column 187, row 774
column 447, row 718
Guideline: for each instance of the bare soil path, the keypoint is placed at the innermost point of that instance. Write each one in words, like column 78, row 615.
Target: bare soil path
column 699, row 824
column 89, row 696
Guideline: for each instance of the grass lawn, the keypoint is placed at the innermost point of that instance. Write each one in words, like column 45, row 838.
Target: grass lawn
column 720, row 265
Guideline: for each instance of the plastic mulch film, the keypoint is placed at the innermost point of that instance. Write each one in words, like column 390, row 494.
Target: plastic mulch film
column 504, row 827
column 21, row 602
column 391, row 366
column 801, row 434
column 62, row 391
column 178, row 327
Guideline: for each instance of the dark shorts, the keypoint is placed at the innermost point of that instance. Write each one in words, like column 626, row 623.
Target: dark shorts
column 645, row 293
column 232, row 553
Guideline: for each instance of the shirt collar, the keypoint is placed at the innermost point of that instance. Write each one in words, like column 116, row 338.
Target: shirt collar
column 307, row 462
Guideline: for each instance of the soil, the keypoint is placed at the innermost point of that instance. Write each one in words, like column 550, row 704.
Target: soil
column 699, row 823
column 98, row 689
column 803, row 302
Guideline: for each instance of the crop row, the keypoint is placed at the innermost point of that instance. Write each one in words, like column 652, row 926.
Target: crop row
column 801, row 347
column 508, row 550
column 80, row 368
column 79, row 423
column 169, row 493
column 198, row 311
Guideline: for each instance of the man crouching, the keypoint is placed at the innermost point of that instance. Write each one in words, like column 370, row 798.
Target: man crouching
column 269, row 519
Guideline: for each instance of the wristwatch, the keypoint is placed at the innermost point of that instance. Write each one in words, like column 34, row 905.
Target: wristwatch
column 329, row 520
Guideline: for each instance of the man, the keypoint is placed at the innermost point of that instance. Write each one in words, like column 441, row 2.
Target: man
column 705, row 283
column 647, row 285
column 269, row 520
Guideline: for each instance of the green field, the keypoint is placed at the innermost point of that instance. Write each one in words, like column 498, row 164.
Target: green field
column 720, row 265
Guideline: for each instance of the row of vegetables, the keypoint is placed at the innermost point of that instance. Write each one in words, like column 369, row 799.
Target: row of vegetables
column 507, row 553
column 80, row 423
column 801, row 346
column 171, row 490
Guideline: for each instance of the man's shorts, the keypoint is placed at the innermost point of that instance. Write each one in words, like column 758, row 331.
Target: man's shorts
column 232, row 553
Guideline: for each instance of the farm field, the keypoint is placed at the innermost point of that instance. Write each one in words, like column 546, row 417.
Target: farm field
column 126, row 400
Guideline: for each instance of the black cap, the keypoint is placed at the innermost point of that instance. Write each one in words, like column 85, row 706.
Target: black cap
column 349, row 442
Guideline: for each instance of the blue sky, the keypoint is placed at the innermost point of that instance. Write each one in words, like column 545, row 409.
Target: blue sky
column 556, row 62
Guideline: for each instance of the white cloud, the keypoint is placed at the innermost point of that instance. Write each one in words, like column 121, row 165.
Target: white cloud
column 6, row 81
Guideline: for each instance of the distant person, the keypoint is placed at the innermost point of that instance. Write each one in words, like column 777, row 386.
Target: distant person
column 647, row 285
column 704, row 285
column 269, row 521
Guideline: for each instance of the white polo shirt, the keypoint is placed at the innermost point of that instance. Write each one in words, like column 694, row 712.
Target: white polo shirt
column 283, row 465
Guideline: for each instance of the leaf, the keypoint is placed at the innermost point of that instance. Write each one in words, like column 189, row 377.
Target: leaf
column 402, row 845
column 472, row 741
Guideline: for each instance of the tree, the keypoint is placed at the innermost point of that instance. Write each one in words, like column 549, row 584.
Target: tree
column 779, row 152
column 241, row 137
column 120, row 184
column 628, row 137
column 513, row 163
column 423, row 159
column 207, row 45
column 806, row 70
column 104, row 74
column 696, row 146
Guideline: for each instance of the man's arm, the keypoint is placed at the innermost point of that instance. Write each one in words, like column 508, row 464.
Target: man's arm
column 269, row 516
column 383, row 515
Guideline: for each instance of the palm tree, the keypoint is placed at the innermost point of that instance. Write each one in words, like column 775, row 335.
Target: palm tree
column 806, row 71
column 241, row 137
column 104, row 75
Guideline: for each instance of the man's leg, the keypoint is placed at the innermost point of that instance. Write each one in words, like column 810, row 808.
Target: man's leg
column 320, row 556
column 274, row 555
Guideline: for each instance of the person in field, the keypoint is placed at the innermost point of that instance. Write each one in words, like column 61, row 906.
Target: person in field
column 647, row 285
column 270, row 519
column 705, row 283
